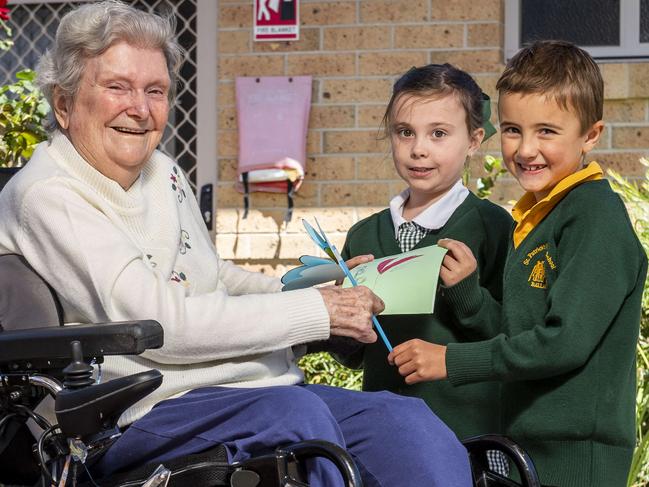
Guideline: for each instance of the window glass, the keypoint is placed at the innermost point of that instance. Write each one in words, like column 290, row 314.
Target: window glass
column 598, row 21
column 644, row 20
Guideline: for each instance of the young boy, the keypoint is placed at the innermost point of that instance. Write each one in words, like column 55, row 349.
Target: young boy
column 572, row 283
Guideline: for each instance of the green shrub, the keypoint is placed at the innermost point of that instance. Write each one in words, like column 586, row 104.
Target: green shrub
column 493, row 167
column 321, row 368
column 22, row 112
column 5, row 32
column 636, row 197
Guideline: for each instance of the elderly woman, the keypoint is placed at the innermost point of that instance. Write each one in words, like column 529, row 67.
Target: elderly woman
column 112, row 225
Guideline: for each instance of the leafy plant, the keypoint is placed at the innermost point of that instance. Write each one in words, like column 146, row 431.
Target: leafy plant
column 5, row 36
column 493, row 166
column 22, row 111
column 636, row 197
column 639, row 475
column 5, row 30
column 321, row 368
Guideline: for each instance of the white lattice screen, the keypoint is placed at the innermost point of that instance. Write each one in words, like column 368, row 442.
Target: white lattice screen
column 34, row 25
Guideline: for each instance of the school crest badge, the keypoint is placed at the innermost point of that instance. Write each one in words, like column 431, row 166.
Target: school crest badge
column 537, row 276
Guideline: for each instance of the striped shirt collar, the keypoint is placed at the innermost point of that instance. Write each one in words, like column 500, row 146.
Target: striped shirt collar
column 433, row 217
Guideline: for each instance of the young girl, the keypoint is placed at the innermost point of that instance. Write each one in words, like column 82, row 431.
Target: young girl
column 435, row 124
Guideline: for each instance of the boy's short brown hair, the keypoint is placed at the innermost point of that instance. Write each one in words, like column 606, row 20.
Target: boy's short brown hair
column 561, row 70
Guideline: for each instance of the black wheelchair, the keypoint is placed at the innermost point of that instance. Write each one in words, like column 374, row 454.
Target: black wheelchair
column 39, row 357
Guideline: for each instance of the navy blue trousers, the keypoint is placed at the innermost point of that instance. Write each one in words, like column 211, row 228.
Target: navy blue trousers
column 395, row 440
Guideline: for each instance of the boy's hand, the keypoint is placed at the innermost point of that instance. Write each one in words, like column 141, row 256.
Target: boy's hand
column 458, row 262
column 355, row 261
column 419, row 361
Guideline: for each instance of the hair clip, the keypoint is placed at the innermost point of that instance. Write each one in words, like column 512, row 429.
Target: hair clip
column 488, row 127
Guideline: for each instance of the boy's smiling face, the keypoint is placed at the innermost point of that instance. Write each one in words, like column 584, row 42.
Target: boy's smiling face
column 542, row 142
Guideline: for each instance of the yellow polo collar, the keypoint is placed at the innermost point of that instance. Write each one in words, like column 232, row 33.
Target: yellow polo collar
column 528, row 213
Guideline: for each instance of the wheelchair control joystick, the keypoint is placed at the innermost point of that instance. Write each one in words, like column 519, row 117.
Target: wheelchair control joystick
column 78, row 374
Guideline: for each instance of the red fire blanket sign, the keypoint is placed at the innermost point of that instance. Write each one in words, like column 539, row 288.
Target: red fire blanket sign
column 277, row 20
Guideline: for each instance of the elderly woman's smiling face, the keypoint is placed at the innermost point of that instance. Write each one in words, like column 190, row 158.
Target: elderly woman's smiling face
column 117, row 117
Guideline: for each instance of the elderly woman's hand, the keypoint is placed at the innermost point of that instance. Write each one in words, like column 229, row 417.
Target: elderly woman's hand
column 350, row 311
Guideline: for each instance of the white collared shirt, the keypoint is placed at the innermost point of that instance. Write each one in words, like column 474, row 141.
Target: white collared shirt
column 433, row 217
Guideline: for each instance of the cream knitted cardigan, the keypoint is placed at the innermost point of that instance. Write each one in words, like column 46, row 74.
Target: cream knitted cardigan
column 144, row 253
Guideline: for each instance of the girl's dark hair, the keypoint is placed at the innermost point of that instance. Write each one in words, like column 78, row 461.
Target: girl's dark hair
column 439, row 80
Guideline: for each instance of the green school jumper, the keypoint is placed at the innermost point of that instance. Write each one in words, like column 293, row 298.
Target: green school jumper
column 571, row 310
column 485, row 227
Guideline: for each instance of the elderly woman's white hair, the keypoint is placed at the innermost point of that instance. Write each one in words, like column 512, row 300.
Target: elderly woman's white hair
column 91, row 29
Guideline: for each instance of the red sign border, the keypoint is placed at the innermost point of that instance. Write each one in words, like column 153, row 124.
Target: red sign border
column 275, row 37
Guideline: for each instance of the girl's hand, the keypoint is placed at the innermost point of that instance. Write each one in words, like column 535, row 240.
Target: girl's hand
column 458, row 262
column 355, row 261
column 419, row 361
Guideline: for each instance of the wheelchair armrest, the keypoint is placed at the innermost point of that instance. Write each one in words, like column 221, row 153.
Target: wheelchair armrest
column 478, row 446
column 53, row 342
column 82, row 412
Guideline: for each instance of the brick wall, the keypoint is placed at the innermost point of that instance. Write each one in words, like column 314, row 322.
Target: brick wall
column 354, row 49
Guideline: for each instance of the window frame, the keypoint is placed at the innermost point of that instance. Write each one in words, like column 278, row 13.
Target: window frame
column 630, row 48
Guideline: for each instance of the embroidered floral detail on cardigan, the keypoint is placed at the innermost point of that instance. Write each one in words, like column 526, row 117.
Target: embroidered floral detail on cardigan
column 184, row 242
column 179, row 277
column 177, row 184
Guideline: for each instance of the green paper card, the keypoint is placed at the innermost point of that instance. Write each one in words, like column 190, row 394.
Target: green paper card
column 407, row 282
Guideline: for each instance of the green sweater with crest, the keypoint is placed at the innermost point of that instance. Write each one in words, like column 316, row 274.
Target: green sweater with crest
column 469, row 409
column 566, row 358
